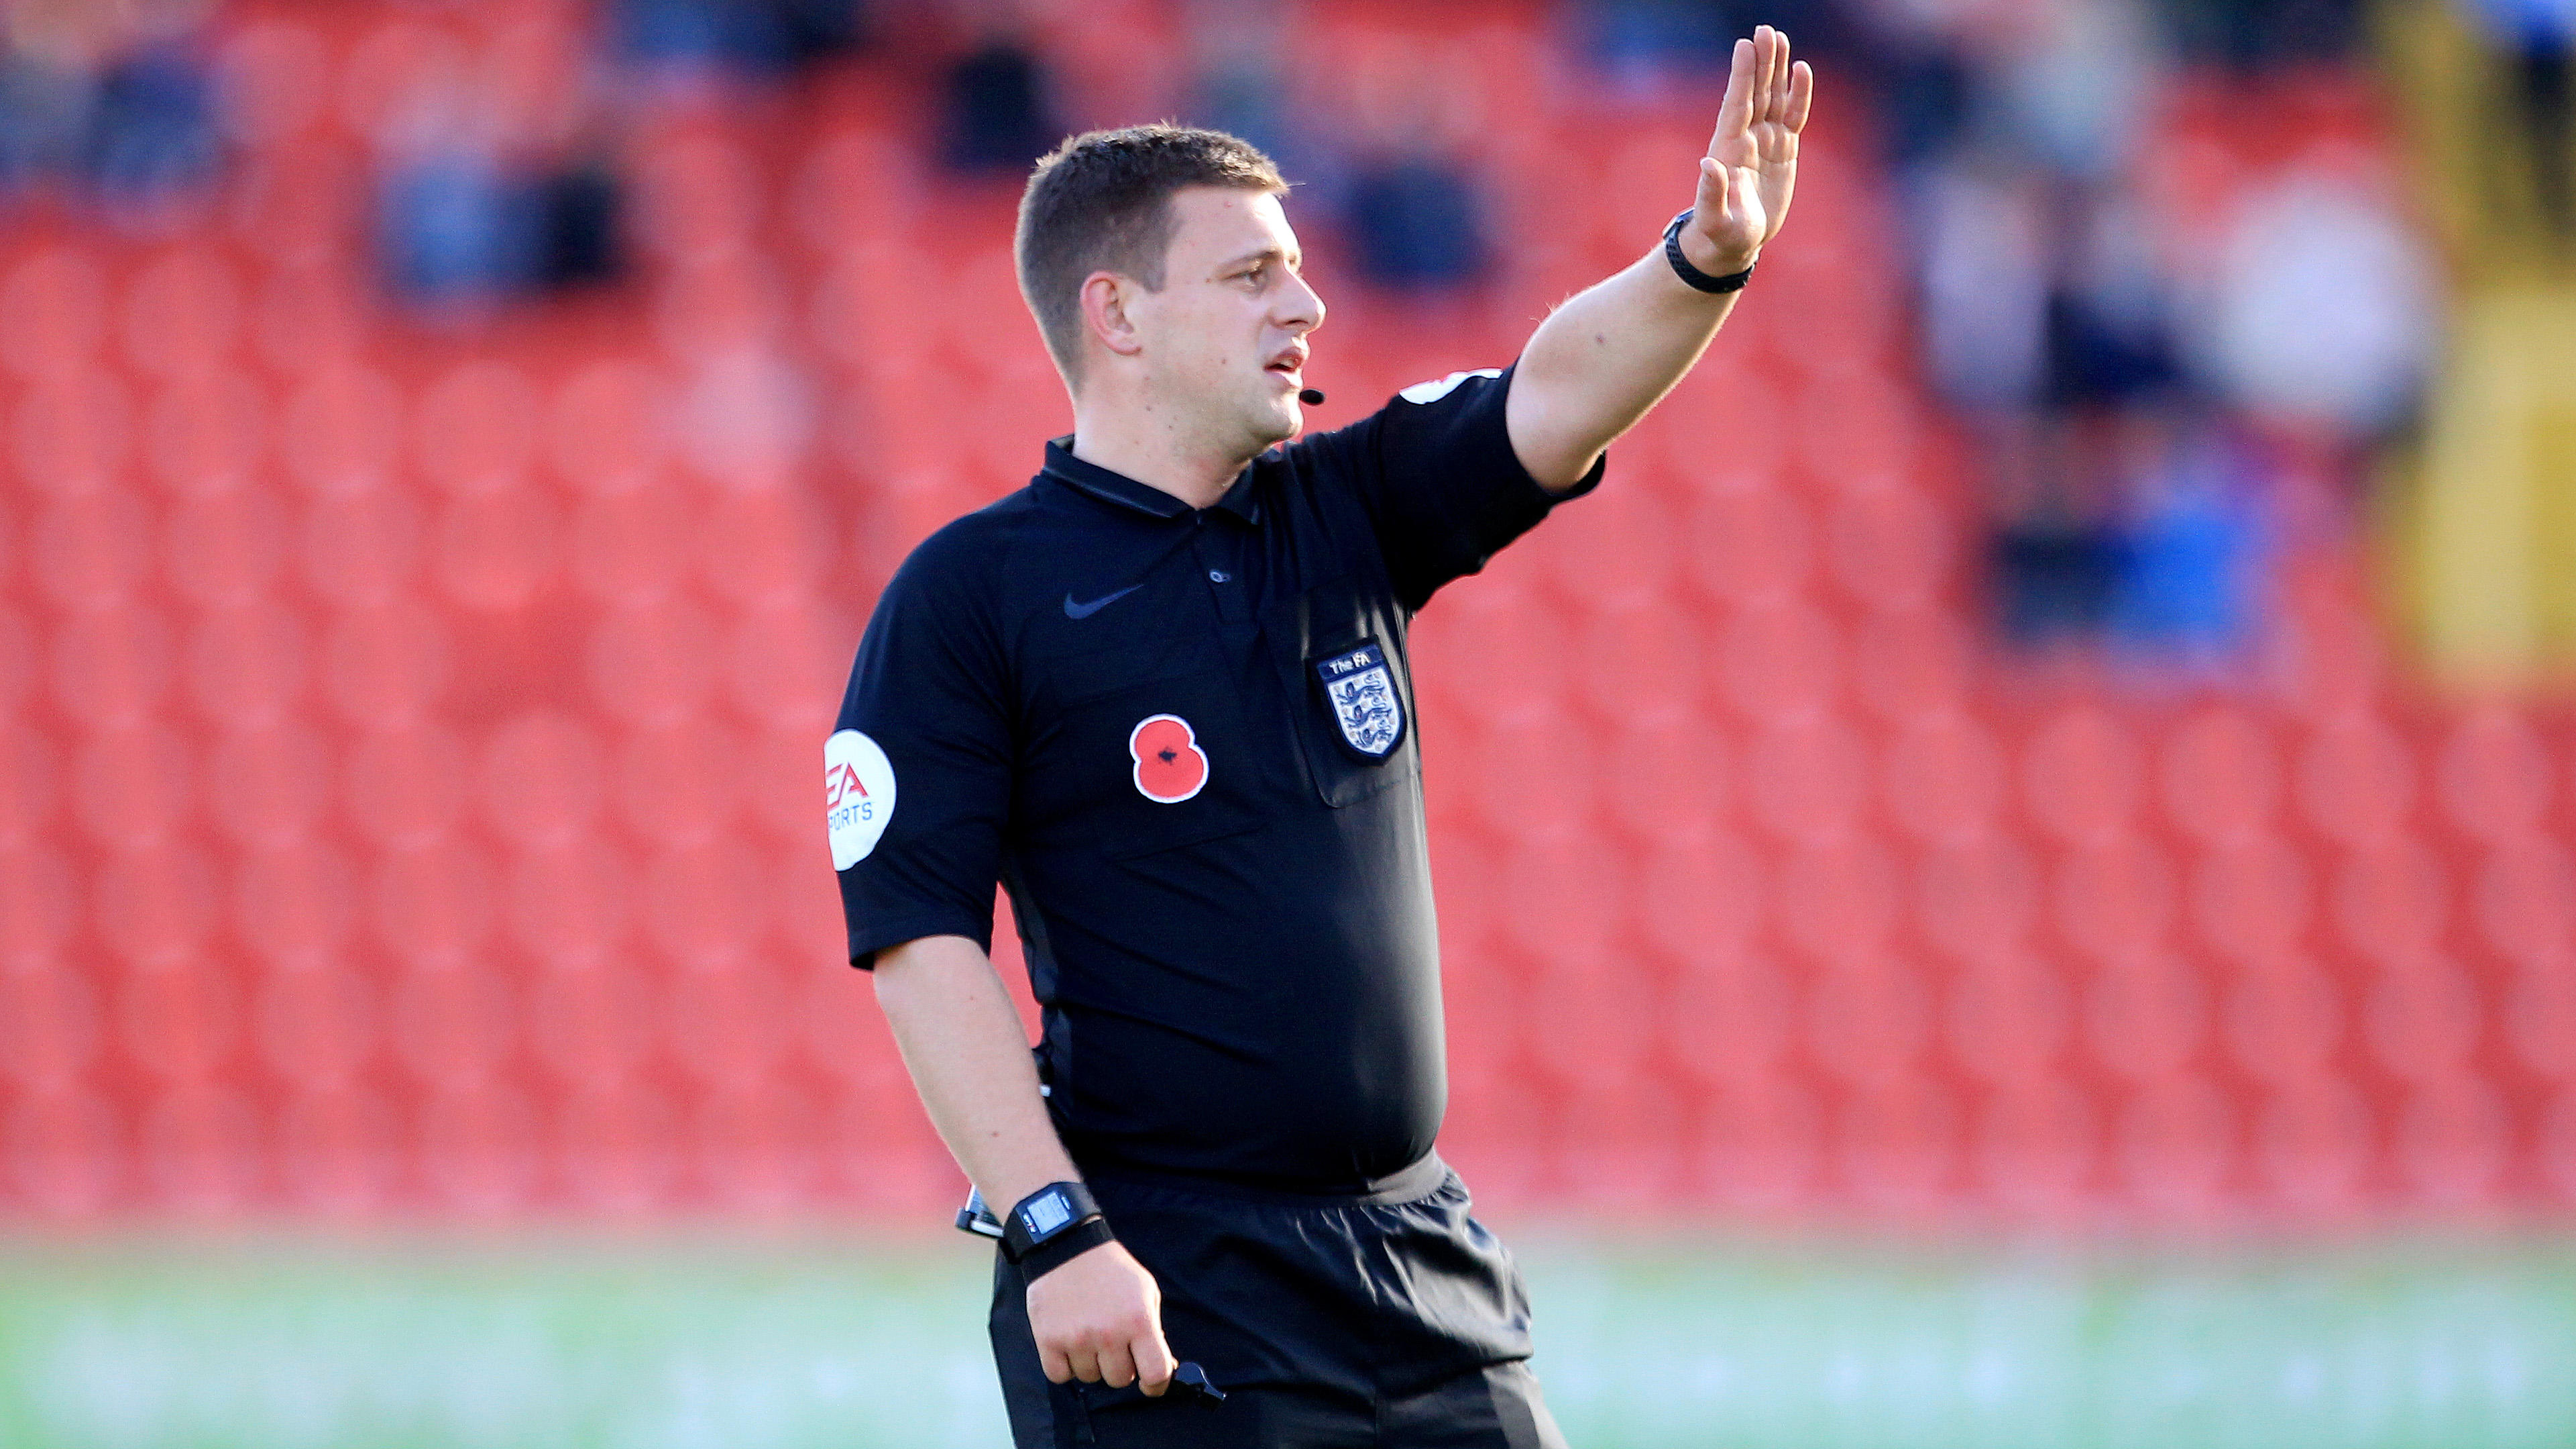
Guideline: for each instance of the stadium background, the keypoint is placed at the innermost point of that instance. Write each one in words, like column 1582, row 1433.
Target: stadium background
column 1981, row 905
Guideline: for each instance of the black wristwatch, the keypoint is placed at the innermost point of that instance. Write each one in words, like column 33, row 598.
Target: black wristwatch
column 1052, row 1226
column 1682, row 268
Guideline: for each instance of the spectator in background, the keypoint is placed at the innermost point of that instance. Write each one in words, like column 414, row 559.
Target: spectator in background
column 1236, row 50
column 1413, row 208
column 1000, row 115
column 687, row 40
column 113, row 98
column 465, row 221
column 2535, row 41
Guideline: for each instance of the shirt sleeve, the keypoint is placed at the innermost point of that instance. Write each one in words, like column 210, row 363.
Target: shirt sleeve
column 1443, row 487
column 917, row 773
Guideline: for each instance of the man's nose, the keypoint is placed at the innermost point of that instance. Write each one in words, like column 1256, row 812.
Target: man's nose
column 1301, row 307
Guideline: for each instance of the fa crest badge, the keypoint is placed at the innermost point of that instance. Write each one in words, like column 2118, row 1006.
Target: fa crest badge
column 1361, row 690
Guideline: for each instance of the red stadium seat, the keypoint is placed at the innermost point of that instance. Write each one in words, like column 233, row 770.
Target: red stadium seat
column 1664, row 774
column 343, row 427
column 337, row 1150
column 1839, row 902
column 2453, row 1142
column 207, row 435
column 64, row 1154
column 1870, row 1025
column 181, row 315
column 2424, row 1021
column 474, row 429
column 1899, row 1146
column 2313, row 1146
column 730, row 1027
column 56, row 303
column 2496, row 776
column 1751, row 546
column 405, row 788
column 91, row 550
column 2008, row 1021
column 295, row 904
column 1700, row 897
column 619, row 1142
column 1943, row 779
column 2148, row 1017
column 112, row 667
column 362, row 548
column 1638, row 659
column 2539, row 1018
column 1807, row 782
column 1781, row 663
column 1760, row 1148
column 134, row 786
column 1975, row 902
column 1533, row 750
column 2079, row 776
column 608, row 429
column 480, row 1146
column 225, row 548
column 2392, row 899
column 200, row 1150
column 39, row 905
column 2254, row 899
column 499, row 550
column 248, row 666
column 2357, row 780
column 2115, row 900
column 542, row 778
column 1890, row 547
column 54, row 1026
column 2034, row 1146
column 385, row 665
column 316, row 1024
column 2178, row 1147
column 1732, row 1022
column 654, row 664
column 2284, row 1023
column 1909, row 666
column 453, row 1026
column 2526, row 900
column 433, row 904
column 155, row 908
column 2221, row 777
column 636, row 545
column 271, row 786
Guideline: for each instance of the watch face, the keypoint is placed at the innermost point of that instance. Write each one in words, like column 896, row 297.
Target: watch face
column 1047, row 1214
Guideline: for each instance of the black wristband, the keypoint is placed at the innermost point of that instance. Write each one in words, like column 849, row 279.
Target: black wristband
column 1064, row 1247
column 1682, row 268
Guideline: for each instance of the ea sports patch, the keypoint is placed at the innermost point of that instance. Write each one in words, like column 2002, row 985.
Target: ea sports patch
column 1361, row 691
column 858, row 795
column 1425, row 393
column 1170, row 766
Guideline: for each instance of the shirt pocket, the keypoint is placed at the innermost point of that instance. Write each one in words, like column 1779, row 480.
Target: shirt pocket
column 1339, row 648
column 1141, row 751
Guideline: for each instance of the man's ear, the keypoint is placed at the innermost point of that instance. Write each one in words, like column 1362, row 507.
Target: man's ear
column 1105, row 300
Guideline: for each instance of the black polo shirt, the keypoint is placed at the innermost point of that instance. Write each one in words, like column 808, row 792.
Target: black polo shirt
column 1183, row 739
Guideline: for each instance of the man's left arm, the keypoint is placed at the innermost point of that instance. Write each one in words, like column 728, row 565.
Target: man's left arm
column 1599, row 362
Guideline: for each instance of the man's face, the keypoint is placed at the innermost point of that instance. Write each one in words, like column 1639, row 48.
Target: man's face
column 1225, row 338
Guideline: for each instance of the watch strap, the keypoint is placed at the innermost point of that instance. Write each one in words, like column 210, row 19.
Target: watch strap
column 1693, row 276
column 1064, row 1247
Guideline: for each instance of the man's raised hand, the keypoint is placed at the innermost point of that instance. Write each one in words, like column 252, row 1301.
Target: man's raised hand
column 1752, row 161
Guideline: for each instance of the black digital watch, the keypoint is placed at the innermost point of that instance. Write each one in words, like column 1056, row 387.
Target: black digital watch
column 1051, row 1227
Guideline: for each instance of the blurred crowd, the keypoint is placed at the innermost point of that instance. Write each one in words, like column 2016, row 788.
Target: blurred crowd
column 2156, row 395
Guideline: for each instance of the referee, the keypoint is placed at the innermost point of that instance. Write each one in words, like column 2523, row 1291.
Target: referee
column 1162, row 696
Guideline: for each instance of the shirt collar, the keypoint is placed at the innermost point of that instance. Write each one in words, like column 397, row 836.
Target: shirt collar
column 1241, row 499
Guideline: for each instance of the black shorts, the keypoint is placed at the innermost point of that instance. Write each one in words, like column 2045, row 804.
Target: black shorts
column 1393, row 1321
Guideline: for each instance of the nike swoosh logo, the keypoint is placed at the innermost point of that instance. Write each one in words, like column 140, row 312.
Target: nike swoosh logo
column 1073, row 610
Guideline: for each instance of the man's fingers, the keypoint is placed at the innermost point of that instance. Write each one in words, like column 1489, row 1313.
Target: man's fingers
column 1766, row 64
column 1154, row 1363
column 1802, row 94
column 1117, row 1368
column 1780, row 78
column 1055, row 1365
column 1736, row 111
column 1085, row 1363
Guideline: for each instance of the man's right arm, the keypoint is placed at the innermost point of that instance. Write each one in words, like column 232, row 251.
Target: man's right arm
column 1098, row 1317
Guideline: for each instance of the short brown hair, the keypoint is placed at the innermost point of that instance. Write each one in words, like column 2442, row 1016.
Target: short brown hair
column 1102, row 202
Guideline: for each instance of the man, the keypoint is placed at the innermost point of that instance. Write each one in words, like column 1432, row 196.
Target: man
column 1161, row 694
